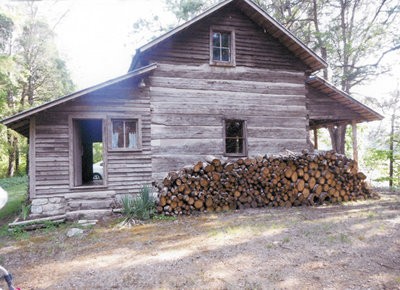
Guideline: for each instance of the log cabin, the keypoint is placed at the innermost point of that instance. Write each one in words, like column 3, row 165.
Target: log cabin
column 231, row 82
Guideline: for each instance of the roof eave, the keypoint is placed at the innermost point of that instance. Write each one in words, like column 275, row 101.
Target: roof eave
column 32, row 111
column 321, row 62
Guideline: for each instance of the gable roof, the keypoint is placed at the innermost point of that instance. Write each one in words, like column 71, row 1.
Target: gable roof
column 20, row 121
column 362, row 113
column 259, row 16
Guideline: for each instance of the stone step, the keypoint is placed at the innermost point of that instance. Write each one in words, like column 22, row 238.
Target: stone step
column 88, row 214
column 75, row 204
column 86, row 195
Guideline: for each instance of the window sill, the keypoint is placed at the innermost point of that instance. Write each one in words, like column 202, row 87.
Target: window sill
column 88, row 187
column 223, row 64
column 235, row 155
column 125, row 150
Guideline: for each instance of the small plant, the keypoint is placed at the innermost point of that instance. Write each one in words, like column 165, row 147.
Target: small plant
column 141, row 207
column 49, row 226
column 25, row 210
column 18, row 233
column 371, row 215
column 344, row 238
column 161, row 217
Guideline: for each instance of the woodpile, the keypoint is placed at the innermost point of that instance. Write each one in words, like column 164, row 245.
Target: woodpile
column 284, row 181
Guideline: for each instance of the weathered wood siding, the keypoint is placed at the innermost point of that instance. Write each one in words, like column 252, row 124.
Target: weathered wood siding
column 127, row 171
column 190, row 98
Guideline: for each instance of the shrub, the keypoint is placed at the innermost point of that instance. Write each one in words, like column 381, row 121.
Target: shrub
column 141, row 207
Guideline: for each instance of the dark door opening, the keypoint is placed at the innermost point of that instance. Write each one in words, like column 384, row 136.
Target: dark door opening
column 88, row 152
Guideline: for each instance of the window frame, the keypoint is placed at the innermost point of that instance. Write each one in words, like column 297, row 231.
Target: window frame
column 244, row 137
column 231, row 31
column 138, row 132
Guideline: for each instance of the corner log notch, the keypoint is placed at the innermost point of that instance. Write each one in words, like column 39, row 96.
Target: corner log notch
column 331, row 108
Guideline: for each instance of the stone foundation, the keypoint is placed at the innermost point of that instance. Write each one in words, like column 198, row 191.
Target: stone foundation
column 48, row 206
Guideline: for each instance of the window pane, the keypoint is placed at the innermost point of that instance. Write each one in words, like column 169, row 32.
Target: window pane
column 216, row 54
column 234, row 145
column 130, row 134
column 230, row 146
column 234, row 128
column 234, row 138
column 216, row 39
column 221, row 46
column 225, row 40
column 225, row 55
column 117, row 138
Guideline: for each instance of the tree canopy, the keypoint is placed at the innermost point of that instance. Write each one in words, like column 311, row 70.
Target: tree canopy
column 31, row 72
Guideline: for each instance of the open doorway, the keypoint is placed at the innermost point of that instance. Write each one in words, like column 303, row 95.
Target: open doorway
column 88, row 152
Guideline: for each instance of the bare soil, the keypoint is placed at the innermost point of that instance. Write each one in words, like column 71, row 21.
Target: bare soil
column 347, row 246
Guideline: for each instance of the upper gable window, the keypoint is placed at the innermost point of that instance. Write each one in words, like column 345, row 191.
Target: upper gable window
column 222, row 47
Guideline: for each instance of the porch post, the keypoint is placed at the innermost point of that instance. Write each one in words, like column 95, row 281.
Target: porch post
column 32, row 157
column 316, row 138
column 354, row 137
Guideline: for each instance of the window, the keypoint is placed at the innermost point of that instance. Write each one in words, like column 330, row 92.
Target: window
column 124, row 134
column 235, row 137
column 222, row 47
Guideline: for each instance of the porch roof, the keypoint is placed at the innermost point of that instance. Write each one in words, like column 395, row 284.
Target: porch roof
column 328, row 105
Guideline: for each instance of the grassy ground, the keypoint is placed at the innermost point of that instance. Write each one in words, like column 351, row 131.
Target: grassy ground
column 17, row 192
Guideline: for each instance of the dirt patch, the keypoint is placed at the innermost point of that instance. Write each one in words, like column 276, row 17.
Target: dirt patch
column 352, row 246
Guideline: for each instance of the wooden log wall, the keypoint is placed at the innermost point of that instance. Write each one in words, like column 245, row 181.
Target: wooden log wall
column 284, row 181
column 190, row 98
column 126, row 171
column 190, row 104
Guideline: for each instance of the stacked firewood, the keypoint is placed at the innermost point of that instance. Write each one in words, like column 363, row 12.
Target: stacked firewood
column 285, row 181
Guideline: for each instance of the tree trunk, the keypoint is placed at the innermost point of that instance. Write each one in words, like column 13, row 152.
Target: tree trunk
column 391, row 148
column 11, row 154
column 17, row 155
column 338, row 134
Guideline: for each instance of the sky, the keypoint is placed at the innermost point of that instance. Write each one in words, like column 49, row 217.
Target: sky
column 96, row 39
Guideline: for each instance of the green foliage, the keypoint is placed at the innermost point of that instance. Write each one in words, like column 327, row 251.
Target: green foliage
column 16, row 233
column 6, row 30
column 186, row 9
column 378, row 160
column 17, row 194
column 141, row 207
column 9, row 184
column 97, row 152
column 384, row 143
